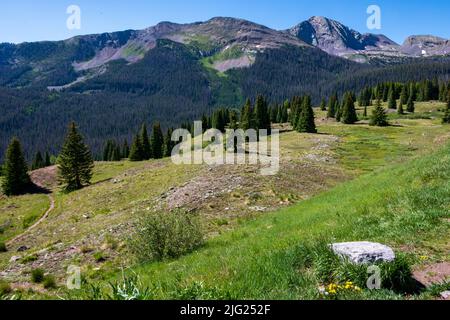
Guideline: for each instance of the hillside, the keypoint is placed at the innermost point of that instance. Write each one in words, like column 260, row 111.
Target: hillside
column 312, row 198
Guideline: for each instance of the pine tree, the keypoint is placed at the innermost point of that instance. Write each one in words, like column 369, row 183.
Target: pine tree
column 262, row 119
column 157, row 141
column 136, row 150
column 247, row 116
column 145, row 141
column 410, row 105
column 349, row 115
column 446, row 118
column 323, row 105
column 38, row 161
column 285, row 111
column 168, row 143
column 379, row 117
column 403, row 96
column 392, row 103
column 15, row 170
column 125, row 149
column 48, row 162
column 306, row 123
column 332, row 106
column 400, row 109
column 75, row 162
column 218, row 120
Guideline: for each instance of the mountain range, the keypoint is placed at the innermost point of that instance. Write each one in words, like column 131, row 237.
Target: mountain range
column 112, row 82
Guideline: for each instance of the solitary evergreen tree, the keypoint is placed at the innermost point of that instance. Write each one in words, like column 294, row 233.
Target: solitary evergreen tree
column 136, row 151
column 379, row 117
column 75, row 162
column 306, row 122
column 446, row 118
column 15, row 170
column 145, row 141
column 349, row 115
column 157, row 141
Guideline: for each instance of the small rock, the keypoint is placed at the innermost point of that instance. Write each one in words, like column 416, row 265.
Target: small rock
column 445, row 295
column 364, row 252
column 14, row 259
column 22, row 249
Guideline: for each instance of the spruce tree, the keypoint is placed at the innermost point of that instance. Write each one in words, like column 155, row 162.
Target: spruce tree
column 15, row 170
column 262, row 119
column 157, row 141
column 323, row 105
column 392, row 103
column 332, row 106
column 400, row 109
column 379, row 117
column 75, row 162
column 403, row 96
column 168, row 143
column 410, row 105
column 125, row 149
column 145, row 141
column 349, row 115
column 136, row 150
column 38, row 161
column 48, row 162
column 306, row 123
column 247, row 116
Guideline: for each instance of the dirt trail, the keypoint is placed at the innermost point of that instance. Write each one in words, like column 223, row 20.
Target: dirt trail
column 44, row 178
column 37, row 223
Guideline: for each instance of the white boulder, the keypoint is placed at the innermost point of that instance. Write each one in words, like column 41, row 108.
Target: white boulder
column 364, row 252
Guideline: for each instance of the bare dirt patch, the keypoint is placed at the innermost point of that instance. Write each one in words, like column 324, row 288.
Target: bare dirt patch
column 433, row 274
column 45, row 177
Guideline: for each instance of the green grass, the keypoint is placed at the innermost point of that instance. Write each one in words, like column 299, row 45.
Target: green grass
column 402, row 204
column 18, row 213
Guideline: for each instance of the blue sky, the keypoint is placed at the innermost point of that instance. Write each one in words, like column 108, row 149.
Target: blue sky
column 31, row 20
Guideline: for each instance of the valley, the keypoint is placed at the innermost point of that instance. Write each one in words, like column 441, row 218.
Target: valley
column 89, row 228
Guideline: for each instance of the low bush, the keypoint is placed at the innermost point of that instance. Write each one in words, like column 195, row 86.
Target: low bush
column 166, row 235
column 37, row 275
column 49, row 282
column 3, row 247
column 5, row 288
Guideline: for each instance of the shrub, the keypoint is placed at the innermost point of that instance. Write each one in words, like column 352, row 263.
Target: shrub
column 29, row 258
column 99, row 257
column 3, row 247
column 49, row 282
column 5, row 288
column 166, row 235
column 37, row 275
